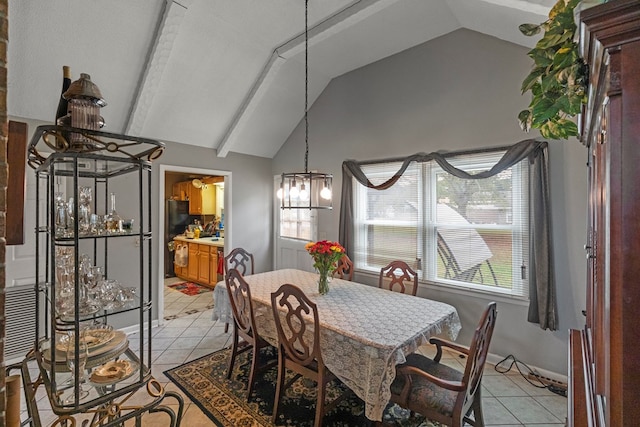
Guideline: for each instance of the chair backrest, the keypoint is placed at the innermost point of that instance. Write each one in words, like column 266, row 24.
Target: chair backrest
column 477, row 356
column 241, row 305
column 291, row 311
column 399, row 274
column 239, row 259
column 344, row 270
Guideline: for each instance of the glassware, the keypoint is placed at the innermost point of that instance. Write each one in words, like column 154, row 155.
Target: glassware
column 127, row 225
column 81, row 359
column 113, row 222
column 84, row 209
column 96, row 224
column 108, row 293
column 61, row 215
column 94, row 282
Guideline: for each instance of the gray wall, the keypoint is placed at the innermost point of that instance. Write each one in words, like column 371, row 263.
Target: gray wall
column 460, row 91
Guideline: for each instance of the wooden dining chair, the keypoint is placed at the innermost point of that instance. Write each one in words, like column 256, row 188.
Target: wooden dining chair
column 442, row 393
column 344, row 270
column 242, row 261
column 239, row 259
column 245, row 327
column 299, row 347
column 399, row 274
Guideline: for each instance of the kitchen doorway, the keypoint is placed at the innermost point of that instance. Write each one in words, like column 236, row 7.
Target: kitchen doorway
column 201, row 179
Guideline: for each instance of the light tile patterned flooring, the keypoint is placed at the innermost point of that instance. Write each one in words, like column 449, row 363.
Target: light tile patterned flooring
column 508, row 400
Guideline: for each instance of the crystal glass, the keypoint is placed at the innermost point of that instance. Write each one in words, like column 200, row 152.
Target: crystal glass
column 84, row 209
column 113, row 222
column 70, row 217
column 81, row 359
column 61, row 215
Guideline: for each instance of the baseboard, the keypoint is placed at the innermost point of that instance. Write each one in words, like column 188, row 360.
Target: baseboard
column 136, row 328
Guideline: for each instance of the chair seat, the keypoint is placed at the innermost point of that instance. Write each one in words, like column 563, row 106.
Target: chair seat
column 424, row 393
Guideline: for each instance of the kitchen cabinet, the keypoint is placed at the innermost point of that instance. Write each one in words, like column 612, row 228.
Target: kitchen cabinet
column 202, row 266
column 202, row 201
column 195, row 201
column 193, row 267
column 181, row 190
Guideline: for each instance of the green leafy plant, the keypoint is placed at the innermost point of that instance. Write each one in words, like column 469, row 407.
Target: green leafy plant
column 558, row 81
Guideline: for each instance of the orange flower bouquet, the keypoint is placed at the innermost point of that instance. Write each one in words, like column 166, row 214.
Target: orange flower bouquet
column 325, row 256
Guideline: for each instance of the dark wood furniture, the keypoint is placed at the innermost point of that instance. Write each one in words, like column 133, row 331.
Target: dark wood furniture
column 399, row 274
column 440, row 392
column 240, row 260
column 299, row 347
column 245, row 327
column 17, row 159
column 604, row 357
column 344, row 270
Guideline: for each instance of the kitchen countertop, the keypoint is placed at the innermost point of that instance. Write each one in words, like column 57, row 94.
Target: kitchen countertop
column 211, row 241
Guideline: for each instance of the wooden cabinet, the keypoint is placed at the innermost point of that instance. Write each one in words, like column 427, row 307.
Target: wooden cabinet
column 181, row 190
column 202, row 264
column 204, row 267
column 194, row 256
column 202, row 201
column 213, row 265
column 195, row 201
column 604, row 362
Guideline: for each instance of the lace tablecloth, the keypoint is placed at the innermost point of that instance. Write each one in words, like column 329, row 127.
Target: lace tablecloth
column 365, row 333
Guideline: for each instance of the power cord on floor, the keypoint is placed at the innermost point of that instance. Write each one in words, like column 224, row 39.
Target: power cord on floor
column 517, row 363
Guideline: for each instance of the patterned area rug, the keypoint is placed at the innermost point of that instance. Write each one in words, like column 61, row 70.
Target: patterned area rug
column 224, row 401
column 189, row 288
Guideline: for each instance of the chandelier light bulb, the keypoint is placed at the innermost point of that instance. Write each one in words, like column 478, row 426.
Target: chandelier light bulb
column 304, row 194
column 325, row 193
column 279, row 193
column 293, row 190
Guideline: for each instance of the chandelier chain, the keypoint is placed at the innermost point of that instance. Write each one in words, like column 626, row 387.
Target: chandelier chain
column 306, row 84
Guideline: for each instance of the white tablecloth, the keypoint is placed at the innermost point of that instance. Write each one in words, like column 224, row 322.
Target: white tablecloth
column 365, row 333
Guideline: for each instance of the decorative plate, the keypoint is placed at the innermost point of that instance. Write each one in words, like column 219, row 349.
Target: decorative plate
column 113, row 372
column 94, row 338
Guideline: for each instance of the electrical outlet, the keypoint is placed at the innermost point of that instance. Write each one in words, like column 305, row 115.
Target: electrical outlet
column 547, row 381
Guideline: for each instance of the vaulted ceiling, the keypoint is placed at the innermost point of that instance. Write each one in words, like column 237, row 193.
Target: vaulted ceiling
column 223, row 74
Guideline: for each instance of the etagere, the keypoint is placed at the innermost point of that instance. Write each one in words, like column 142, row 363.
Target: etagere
column 95, row 274
column 604, row 357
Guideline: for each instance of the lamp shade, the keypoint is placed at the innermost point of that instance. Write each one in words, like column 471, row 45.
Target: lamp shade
column 306, row 190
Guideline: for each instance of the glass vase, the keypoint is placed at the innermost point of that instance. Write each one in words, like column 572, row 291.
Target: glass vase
column 323, row 282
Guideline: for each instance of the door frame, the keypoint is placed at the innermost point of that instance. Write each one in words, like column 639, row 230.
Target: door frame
column 161, row 213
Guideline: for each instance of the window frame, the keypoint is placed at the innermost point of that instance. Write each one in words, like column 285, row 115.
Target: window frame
column 426, row 225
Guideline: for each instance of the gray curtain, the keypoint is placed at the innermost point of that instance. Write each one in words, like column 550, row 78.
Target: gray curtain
column 542, row 293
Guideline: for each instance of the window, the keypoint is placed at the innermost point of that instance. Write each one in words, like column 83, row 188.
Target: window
column 300, row 224
column 459, row 232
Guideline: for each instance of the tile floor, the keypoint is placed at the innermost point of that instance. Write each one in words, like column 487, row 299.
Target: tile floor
column 508, row 400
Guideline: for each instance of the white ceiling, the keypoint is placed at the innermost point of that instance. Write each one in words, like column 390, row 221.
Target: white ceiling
column 223, row 74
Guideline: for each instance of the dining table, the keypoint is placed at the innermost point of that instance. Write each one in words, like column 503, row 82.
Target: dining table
column 365, row 331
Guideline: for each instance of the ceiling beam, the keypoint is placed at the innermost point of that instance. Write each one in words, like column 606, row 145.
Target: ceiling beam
column 157, row 59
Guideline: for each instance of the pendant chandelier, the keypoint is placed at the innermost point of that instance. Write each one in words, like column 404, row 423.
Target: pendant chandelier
column 305, row 190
